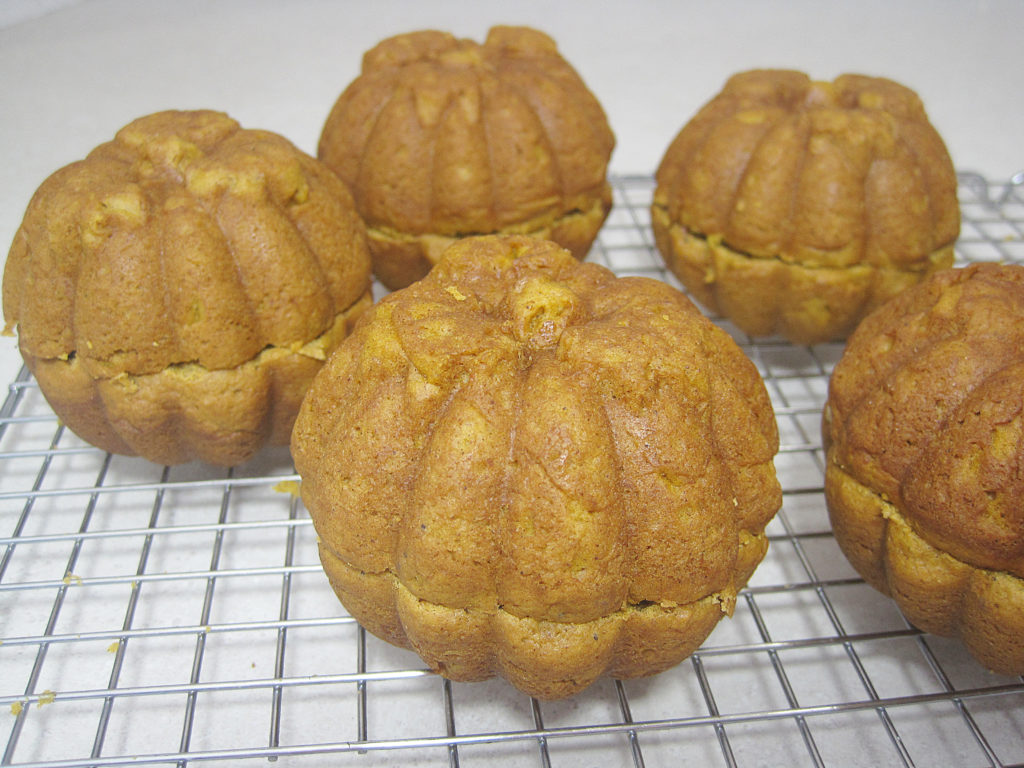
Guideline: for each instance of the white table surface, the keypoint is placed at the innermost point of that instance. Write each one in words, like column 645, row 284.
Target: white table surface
column 74, row 71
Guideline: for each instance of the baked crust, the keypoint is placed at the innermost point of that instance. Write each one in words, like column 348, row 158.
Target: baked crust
column 524, row 466
column 176, row 289
column 441, row 138
column 187, row 411
column 925, row 476
column 796, row 207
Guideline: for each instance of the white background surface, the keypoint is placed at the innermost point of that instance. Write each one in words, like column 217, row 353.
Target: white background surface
column 72, row 72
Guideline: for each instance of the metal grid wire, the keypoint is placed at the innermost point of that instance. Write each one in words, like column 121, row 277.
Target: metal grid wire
column 174, row 616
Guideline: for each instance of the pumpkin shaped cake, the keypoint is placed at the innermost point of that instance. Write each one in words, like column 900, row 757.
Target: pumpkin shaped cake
column 795, row 207
column 524, row 466
column 925, row 476
column 439, row 138
column 175, row 291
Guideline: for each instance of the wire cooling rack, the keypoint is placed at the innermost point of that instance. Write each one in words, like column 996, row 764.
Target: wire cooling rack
column 177, row 616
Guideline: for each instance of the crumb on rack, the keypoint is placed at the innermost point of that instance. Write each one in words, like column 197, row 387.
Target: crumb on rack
column 288, row 486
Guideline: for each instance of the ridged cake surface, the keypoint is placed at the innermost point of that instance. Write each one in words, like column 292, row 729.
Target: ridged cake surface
column 925, row 473
column 795, row 207
column 524, row 466
column 176, row 290
column 439, row 138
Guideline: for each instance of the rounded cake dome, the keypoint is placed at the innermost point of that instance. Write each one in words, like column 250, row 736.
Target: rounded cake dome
column 796, row 207
column 925, row 476
column 524, row 466
column 439, row 138
column 176, row 290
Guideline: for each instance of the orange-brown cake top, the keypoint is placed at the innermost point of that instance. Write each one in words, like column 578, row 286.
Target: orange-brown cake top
column 449, row 136
column 589, row 441
column 926, row 407
column 820, row 173
column 186, row 238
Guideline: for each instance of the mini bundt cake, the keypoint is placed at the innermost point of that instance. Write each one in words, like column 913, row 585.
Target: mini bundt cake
column 925, row 477
column 795, row 207
column 175, row 291
column 524, row 466
column 439, row 138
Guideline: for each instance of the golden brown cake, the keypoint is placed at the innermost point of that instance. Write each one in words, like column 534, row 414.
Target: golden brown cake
column 524, row 466
column 795, row 207
column 175, row 291
column 439, row 138
column 925, row 478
